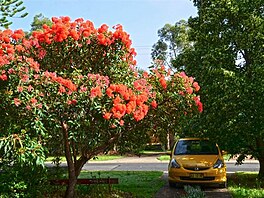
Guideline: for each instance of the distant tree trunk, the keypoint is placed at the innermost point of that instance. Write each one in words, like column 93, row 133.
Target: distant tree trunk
column 261, row 168
column 170, row 140
column 260, row 145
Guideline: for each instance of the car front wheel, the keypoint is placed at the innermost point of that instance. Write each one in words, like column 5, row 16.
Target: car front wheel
column 223, row 185
column 173, row 184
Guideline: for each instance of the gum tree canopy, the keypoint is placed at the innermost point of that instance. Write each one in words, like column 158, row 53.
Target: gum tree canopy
column 78, row 85
column 9, row 9
column 228, row 53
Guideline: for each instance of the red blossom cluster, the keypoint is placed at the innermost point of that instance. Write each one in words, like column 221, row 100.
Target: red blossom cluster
column 16, row 59
column 7, row 47
column 120, row 34
column 3, row 75
column 6, row 50
column 96, row 92
column 32, row 64
column 32, row 103
column 79, row 29
column 102, row 81
column 198, row 103
column 17, row 102
column 64, row 82
column 189, row 85
column 127, row 102
column 72, row 102
column 161, row 73
column 62, row 29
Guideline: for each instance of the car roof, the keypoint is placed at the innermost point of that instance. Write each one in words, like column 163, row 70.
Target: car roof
column 192, row 138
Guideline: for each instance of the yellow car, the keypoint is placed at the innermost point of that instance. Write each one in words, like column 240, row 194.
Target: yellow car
column 196, row 161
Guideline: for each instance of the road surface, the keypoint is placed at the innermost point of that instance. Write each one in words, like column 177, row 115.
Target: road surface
column 151, row 163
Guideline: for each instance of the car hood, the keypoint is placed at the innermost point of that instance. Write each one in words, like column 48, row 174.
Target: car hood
column 196, row 160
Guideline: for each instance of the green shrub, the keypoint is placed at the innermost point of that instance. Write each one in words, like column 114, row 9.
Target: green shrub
column 22, row 181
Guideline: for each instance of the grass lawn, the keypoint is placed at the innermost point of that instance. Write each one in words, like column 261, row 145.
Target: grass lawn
column 245, row 185
column 138, row 183
column 132, row 184
column 107, row 157
column 164, row 158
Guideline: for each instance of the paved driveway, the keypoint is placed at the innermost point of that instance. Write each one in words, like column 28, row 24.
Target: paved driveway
column 210, row 191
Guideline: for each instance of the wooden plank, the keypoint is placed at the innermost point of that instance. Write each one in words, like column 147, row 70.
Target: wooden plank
column 86, row 181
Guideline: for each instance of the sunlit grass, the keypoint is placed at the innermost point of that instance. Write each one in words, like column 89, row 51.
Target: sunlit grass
column 107, row 157
column 164, row 158
column 132, row 184
column 138, row 183
column 246, row 185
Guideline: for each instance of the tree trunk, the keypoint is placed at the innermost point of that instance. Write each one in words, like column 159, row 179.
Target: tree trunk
column 74, row 170
column 70, row 192
column 171, row 141
column 260, row 147
column 79, row 164
column 71, row 169
column 75, row 166
column 261, row 168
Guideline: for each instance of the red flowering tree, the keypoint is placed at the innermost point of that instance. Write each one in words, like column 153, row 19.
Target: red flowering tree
column 176, row 100
column 78, row 85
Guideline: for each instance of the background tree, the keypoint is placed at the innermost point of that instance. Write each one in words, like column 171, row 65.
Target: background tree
column 10, row 9
column 173, row 109
column 38, row 21
column 227, row 61
column 77, row 84
column 172, row 40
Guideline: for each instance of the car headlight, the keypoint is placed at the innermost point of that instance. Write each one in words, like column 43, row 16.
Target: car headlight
column 219, row 164
column 175, row 164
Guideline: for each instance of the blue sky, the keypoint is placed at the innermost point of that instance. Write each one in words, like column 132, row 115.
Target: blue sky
column 140, row 18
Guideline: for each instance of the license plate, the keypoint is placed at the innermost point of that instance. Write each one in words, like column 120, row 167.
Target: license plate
column 196, row 175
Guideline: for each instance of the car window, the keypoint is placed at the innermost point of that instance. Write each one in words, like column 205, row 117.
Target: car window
column 195, row 147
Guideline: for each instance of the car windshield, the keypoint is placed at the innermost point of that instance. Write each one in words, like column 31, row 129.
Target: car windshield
column 195, row 147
